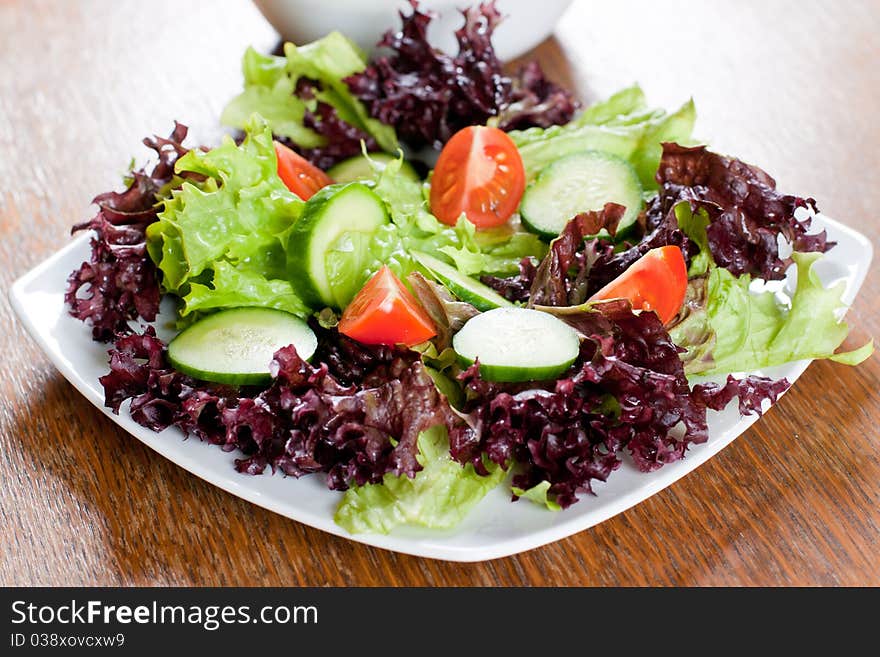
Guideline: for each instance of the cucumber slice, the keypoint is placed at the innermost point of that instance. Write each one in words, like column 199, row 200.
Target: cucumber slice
column 517, row 344
column 480, row 296
column 359, row 168
column 578, row 183
column 333, row 212
column 236, row 346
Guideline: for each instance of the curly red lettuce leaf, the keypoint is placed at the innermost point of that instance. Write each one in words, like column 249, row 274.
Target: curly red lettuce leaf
column 120, row 283
column 514, row 288
column 751, row 391
column 562, row 277
column 578, row 264
column 627, row 391
column 749, row 214
column 535, row 101
column 355, row 416
column 428, row 95
column 611, row 263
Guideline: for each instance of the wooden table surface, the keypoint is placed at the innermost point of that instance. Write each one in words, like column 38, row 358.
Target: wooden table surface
column 790, row 85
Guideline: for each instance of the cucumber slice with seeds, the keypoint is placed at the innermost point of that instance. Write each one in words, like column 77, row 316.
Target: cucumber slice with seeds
column 331, row 214
column 517, row 344
column 469, row 290
column 580, row 182
column 236, row 346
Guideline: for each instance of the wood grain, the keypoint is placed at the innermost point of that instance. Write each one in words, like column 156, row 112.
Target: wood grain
column 790, row 85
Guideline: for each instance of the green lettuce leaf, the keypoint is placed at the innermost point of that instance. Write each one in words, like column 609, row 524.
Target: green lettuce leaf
column 219, row 244
column 754, row 330
column 676, row 127
column 438, row 497
column 622, row 125
column 616, row 108
column 692, row 329
column 538, row 495
column 235, row 287
column 476, row 255
column 405, row 199
column 694, row 225
column 270, row 82
column 268, row 91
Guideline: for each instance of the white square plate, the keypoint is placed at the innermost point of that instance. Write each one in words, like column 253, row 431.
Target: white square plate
column 495, row 528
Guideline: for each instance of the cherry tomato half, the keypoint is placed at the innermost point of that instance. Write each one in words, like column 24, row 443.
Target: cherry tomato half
column 657, row 281
column 480, row 173
column 299, row 175
column 385, row 312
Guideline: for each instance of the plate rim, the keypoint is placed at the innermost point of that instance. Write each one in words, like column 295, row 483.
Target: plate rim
column 233, row 483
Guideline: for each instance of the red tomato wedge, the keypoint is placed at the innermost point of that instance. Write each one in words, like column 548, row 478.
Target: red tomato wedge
column 385, row 312
column 480, row 173
column 657, row 281
column 299, row 175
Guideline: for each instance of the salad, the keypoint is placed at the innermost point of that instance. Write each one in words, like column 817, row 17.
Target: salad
column 527, row 313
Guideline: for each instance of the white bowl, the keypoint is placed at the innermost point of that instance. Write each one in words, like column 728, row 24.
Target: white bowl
column 526, row 24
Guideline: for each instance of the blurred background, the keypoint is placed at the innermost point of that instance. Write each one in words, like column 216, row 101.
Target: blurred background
column 774, row 83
